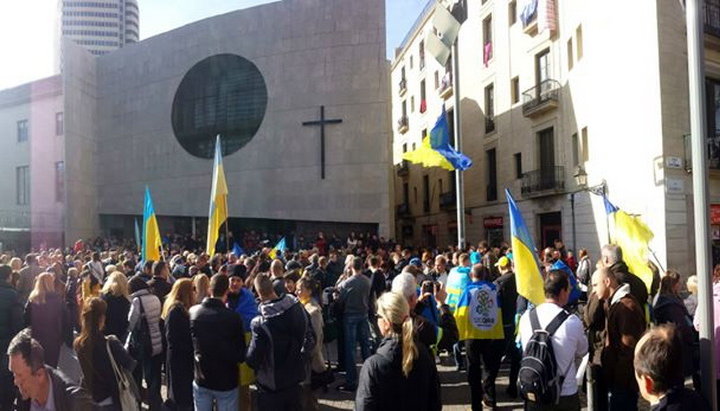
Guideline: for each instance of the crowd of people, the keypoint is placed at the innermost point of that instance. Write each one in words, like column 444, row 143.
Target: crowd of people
column 227, row 331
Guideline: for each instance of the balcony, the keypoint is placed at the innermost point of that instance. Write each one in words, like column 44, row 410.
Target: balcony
column 446, row 87
column 531, row 27
column 403, row 124
column 402, row 169
column 544, row 182
column 541, row 98
column 447, row 200
column 712, row 17
column 713, row 152
column 402, row 210
column 403, row 87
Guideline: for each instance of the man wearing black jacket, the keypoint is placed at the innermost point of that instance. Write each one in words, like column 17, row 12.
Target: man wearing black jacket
column 159, row 284
column 219, row 344
column 282, row 340
column 507, row 294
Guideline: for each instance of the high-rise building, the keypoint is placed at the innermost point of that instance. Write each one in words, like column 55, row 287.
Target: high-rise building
column 100, row 26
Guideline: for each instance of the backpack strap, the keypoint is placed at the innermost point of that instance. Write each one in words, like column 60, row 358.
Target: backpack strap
column 556, row 322
column 534, row 320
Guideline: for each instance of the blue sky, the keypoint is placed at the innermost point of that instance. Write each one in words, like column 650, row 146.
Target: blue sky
column 27, row 28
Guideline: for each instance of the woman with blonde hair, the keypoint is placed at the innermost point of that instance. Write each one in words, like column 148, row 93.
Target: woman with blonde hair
column 115, row 293
column 45, row 314
column 16, row 265
column 201, row 282
column 401, row 375
column 179, row 343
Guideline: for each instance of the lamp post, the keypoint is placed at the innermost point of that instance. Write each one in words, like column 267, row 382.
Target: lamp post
column 599, row 190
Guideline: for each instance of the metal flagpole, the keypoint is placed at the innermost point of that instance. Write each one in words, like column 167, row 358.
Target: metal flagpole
column 696, row 77
column 457, row 129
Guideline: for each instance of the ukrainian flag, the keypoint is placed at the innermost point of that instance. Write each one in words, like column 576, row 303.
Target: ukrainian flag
column 279, row 247
column 478, row 314
column 458, row 279
column 218, row 201
column 527, row 270
column 151, row 241
column 633, row 237
column 436, row 150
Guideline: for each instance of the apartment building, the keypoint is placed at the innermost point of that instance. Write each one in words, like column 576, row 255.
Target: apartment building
column 559, row 103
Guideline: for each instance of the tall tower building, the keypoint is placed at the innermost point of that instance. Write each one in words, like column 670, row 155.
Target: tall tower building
column 100, row 26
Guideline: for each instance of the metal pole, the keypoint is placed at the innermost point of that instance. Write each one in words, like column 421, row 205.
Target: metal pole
column 574, row 231
column 459, row 188
column 696, row 77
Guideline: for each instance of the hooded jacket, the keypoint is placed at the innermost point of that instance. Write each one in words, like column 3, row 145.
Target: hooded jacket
column 382, row 384
column 625, row 326
column 281, row 344
column 638, row 289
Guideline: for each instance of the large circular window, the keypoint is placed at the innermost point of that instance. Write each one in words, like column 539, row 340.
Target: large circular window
column 224, row 94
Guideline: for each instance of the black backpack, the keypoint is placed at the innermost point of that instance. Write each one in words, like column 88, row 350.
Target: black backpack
column 538, row 379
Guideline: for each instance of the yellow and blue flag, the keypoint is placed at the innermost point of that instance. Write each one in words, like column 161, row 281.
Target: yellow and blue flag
column 436, row 150
column 478, row 314
column 527, row 270
column 151, row 241
column 633, row 237
column 218, row 201
column 457, row 280
column 279, row 247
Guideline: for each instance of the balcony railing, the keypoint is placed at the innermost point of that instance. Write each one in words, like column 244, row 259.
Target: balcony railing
column 541, row 98
column 447, row 200
column 545, row 181
column 712, row 17
column 713, row 152
column 446, row 86
column 403, row 124
column 402, row 209
column 402, row 169
column 403, row 86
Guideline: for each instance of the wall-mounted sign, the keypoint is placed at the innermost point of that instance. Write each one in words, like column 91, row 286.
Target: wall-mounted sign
column 493, row 222
column 674, row 162
column 674, row 186
column 715, row 214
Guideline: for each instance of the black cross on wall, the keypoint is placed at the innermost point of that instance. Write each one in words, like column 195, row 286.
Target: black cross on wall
column 322, row 123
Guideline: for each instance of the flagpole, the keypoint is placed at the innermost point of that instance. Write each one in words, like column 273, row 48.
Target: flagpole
column 696, row 80
column 457, row 131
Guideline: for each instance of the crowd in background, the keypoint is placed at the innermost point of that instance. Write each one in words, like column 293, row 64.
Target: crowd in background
column 216, row 325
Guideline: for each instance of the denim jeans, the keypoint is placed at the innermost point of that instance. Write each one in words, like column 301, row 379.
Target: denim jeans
column 225, row 400
column 356, row 330
column 622, row 400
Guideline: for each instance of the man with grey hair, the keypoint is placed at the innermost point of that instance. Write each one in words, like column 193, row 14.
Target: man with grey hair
column 612, row 258
column 45, row 387
column 404, row 284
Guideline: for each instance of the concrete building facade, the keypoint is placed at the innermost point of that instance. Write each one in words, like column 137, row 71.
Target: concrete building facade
column 274, row 67
column 592, row 92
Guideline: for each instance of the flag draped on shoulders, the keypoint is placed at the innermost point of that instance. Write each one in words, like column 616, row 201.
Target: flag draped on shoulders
column 527, row 270
column 279, row 247
column 478, row 313
column 436, row 150
column 218, row 201
column 633, row 237
column 458, row 279
column 151, row 241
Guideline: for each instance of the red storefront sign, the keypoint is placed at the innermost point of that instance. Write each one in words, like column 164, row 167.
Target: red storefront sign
column 493, row 222
column 715, row 214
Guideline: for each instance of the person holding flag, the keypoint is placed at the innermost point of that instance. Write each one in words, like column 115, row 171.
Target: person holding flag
column 218, row 201
column 280, row 248
column 151, row 241
column 479, row 321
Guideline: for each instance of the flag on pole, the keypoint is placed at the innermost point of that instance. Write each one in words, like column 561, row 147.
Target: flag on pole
column 436, row 151
column 279, row 247
column 633, row 237
column 151, row 241
column 218, row 201
column 137, row 234
column 527, row 270
column 237, row 250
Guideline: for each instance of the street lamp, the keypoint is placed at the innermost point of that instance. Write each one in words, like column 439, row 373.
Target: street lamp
column 599, row 190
